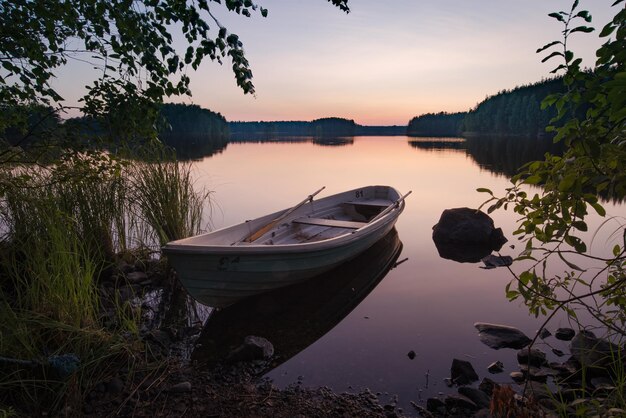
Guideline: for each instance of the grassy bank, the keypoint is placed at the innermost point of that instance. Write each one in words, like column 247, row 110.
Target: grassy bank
column 65, row 229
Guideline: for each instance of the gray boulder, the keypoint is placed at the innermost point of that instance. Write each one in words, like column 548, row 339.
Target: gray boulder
column 462, row 372
column 564, row 334
column 501, row 336
column 477, row 396
column 594, row 352
column 253, row 348
column 468, row 226
column 531, row 357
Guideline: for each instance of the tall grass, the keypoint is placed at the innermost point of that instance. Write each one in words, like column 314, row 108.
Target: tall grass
column 166, row 199
column 61, row 228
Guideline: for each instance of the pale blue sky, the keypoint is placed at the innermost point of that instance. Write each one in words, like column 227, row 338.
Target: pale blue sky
column 383, row 63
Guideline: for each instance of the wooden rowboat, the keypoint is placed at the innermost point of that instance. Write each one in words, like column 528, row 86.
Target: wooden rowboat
column 285, row 247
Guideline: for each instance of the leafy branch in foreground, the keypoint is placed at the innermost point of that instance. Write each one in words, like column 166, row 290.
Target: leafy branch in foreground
column 592, row 124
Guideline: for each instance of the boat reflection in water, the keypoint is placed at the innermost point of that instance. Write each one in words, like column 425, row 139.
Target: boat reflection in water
column 292, row 318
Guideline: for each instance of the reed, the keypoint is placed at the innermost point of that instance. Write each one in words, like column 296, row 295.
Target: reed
column 57, row 230
column 166, row 200
column 61, row 228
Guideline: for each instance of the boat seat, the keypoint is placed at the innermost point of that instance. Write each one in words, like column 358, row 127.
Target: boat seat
column 333, row 223
column 381, row 203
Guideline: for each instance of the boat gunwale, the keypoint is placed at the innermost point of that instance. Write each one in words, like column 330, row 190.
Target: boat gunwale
column 177, row 247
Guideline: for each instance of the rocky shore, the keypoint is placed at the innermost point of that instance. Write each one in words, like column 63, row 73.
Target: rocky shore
column 169, row 384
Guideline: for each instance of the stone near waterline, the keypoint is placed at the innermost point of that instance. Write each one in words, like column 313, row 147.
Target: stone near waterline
column 617, row 412
column 564, row 334
column 468, row 226
column 462, row 372
column 533, row 357
column 487, row 385
column 518, row 377
column 182, row 387
column 558, row 352
column 537, row 391
column 466, row 235
column 477, row 396
column 423, row 412
column 493, row 261
column 496, row 367
column 598, row 353
column 545, row 333
column 253, row 348
column 538, row 374
column 603, row 383
column 64, row 365
column 459, row 402
column 137, row 277
column 435, row 405
column 501, row 336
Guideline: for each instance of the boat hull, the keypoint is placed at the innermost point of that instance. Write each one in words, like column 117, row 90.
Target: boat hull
column 219, row 275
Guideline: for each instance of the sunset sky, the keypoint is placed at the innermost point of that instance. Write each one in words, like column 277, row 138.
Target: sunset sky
column 384, row 62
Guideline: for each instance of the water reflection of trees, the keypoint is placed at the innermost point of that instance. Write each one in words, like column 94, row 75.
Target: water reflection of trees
column 500, row 155
column 194, row 146
column 317, row 140
column 438, row 144
column 505, row 155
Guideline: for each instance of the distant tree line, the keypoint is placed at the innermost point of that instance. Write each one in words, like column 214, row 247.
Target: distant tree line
column 436, row 124
column 515, row 112
column 319, row 127
column 324, row 127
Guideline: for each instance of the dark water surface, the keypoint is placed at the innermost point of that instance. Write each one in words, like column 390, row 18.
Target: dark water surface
column 326, row 333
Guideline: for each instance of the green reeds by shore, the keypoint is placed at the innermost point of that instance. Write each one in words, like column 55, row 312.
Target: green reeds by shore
column 62, row 228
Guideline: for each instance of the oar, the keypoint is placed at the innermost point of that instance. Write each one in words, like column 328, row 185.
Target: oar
column 256, row 235
column 390, row 207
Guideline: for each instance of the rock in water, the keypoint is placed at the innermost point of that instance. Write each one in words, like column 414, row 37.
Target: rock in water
column 493, row 261
column 532, row 357
column 253, row 348
column 477, row 396
column 564, row 334
column 545, row 333
column 462, row 372
column 591, row 351
column 496, row 367
column 466, row 235
column 468, row 226
column 501, row 336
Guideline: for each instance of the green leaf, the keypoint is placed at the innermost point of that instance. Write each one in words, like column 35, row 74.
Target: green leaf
column 617, row 250
column 585, row 29
column 569, row 264
column 585, row 15
column 567, row 182
column 534, row 179
column 548, row 45
column 554, row 54
column 484, row 190
column 557, row 16
column 598, row 208
column 607, row 30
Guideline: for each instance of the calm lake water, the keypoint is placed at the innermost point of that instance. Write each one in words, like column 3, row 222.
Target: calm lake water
column 426, row 304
